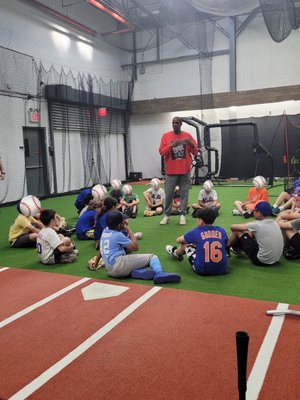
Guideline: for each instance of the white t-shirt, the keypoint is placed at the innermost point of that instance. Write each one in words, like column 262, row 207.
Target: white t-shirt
column 207, row 197
column 156, row 195
column 47, row 241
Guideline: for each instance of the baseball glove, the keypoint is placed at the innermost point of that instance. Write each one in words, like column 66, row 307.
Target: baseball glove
column 148, row 213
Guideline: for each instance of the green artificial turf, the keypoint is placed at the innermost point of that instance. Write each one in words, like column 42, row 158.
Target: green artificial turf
column 279, row 283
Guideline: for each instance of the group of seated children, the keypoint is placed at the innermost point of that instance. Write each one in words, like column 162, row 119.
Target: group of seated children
column 42, row 231
column 207, row 247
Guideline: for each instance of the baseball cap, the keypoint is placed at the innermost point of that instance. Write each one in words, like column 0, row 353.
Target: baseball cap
column 114, row 218
column 296, row 185
column 264, row 207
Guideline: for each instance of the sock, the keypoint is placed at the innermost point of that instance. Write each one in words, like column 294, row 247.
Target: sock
column 275, row 205
column 281, row 208
column 155, row 264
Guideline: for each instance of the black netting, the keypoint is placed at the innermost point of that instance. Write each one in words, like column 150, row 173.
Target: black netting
column 78, row 140
column 280, row 18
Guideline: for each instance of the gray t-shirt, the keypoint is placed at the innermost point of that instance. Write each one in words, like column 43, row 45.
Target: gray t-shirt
column 296, row 224
column 269, row 239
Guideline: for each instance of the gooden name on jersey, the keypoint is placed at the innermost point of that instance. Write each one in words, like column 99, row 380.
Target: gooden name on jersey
column 210, row 242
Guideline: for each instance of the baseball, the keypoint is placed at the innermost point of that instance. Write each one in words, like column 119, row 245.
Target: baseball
column 30, row 205
column 99, row 192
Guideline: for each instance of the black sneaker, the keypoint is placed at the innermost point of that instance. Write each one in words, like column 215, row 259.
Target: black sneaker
column 291, row 254
column 227, row 249
column 235, row 250
column 247, row 215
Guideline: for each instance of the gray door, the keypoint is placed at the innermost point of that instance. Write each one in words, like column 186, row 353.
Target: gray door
column 35, row 161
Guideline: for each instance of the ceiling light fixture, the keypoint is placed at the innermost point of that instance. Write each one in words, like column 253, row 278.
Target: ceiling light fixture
column 114, row 14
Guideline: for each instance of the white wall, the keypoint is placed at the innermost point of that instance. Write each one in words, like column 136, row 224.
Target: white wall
column 261, row 63
column 22, row 29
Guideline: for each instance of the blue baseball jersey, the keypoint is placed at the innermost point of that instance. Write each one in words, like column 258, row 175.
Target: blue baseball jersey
column 210, row 242
column 85, row 223
column 112, row 245
column 79, row 202
column 100, row 224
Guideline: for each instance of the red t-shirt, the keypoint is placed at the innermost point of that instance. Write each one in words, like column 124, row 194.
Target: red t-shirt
column 178, row 159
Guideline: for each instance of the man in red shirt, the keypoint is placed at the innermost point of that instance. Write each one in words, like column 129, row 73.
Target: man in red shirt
column 177, row 148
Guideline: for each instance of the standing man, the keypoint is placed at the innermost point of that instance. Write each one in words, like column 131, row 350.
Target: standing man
column 177, row 148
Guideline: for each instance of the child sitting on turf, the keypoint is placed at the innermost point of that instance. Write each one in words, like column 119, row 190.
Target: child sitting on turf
column 109, row 204
column 290, row 230
column 86, row 223
column 261, row 239
column 129, row 202
column 288, row 200
column 204, row 246
column 154, row 199
column 114, row 245
column 83, row 199
column 23, row 232
column 256, row 193
column 207, row 198
column 52, row 247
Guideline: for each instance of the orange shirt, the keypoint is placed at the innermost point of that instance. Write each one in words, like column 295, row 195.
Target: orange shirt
column 256, row 195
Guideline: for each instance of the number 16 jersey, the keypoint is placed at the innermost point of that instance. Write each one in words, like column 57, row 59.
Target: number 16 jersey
column 210, row 242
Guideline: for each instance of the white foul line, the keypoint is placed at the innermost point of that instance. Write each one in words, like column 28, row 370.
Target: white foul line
column 3, row 269
column 260, row 367
column 65, row 361
column 41, row 302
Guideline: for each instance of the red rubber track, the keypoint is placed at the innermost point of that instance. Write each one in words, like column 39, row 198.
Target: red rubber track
column 177, row 345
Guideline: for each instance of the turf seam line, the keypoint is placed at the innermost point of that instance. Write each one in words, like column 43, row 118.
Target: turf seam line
column 263, row 359
column 34, row 385
column 40, row 303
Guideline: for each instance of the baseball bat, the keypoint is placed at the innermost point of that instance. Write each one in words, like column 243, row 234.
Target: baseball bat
column 242, row 340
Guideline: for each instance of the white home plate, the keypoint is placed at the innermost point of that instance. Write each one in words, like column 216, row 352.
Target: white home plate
column 98, row 290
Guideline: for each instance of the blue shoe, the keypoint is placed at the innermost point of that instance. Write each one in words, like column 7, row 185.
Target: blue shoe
column 166, row 277
column 275, row 211
column 143, row 273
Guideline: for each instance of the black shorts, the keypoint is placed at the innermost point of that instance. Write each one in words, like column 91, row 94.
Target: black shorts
column 23, row 241
column 250, row 247
column 295, row 242
column 57, row 255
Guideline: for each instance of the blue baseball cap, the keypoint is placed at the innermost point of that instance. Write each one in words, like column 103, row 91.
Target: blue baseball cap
column 114, row 218
column 296, row 185
column 264, row 207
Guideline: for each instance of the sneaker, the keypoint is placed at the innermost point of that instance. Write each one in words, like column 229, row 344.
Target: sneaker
column 235, row 250
column 75, row 251
column 171, row 250
column 236, row 212
column 291, row 254
column 133, row 215
column 194, row 213
column 143, row 273
column 138, row 235
column 166, row 277
column 67, row 258
column 228, row 251
column 165, row 220
column 247, row 215
column 182, row 220
column 275, row 211
column 189, row 251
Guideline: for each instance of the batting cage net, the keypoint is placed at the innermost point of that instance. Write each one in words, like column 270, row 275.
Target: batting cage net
column 73, row 125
